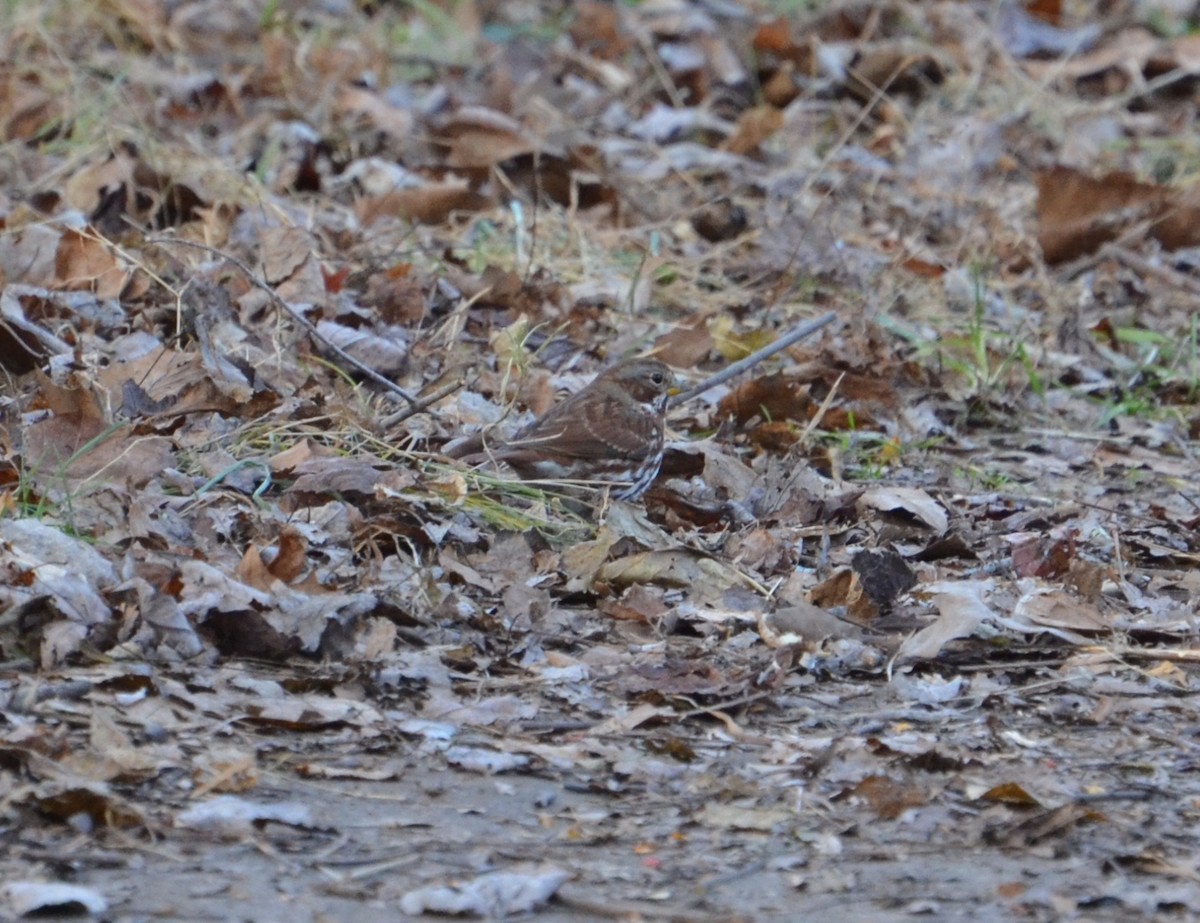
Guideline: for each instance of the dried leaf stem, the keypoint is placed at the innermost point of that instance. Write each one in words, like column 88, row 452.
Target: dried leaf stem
column 415, row 403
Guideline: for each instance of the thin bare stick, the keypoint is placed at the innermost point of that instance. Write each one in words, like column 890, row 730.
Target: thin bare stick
column 822, row 410
column 424, row 403
column 800, row 333
column 299, row 318
column 1139, row 263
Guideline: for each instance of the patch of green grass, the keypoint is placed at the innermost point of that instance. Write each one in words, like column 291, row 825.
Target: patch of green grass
column 868, row 456
column 992, row 366
column 1165, row 374
column 985, row 478
column 432, row 32
column 51, row 495
column 509, row 505
column 794, row 9
column 991, row 362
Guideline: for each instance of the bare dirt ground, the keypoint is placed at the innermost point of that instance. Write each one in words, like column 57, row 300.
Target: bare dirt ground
column 905, row 628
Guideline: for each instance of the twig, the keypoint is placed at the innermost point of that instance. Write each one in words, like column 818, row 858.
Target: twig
column 1170, row 654
column 823, row 409
column 401, row 415
column 415, row 405
column 800, row 333
column 1139, row 263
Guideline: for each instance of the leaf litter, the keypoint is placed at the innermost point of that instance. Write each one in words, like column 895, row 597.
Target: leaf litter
column 904, row 627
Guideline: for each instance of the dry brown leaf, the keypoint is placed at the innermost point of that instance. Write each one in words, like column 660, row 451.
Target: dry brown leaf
column 78, row 400
column 290, row 264
column 294, row 456
column 1078, row 213
column 1049, row 608
column 27, row 108
column 309, row 713
column 353, row 479
column 252, row 570
column 1010, row 793
column 84, row 263
column 433, row 204
column 839, row 589
column 686, row 345
column 909, row 501
column 740, row 817
column 705, row 579
column 214, row 27
column 754, row 126
column 773, row 397
column 596, row 30
column 1123, row 56
column 631, row 719
column 1147, row 459
column 1046, row 824
column 224, row 769
column 804, row 624
column 144, row 19
column 290, row 560
column 112, row 754
column 888, row 797
column 86, row 189
column 640, row 603
column 366, row 105
column 480, row 138
column 103, row 808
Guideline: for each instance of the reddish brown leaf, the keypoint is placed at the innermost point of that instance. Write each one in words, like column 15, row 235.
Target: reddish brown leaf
column 889, row 798
column 1078, row 213
column 426, row 205
column 84, row 263
column 597, row 30
column 772, row 398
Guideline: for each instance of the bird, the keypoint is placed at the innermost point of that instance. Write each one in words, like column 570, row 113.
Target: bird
column 610, row 432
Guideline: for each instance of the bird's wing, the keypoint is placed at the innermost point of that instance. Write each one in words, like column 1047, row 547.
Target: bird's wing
column 602, row 429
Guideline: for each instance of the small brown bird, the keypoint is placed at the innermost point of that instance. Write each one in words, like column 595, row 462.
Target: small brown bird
column 609, row 432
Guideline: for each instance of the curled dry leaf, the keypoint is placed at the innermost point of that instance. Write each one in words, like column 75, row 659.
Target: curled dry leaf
column 1059, row 611
column 382, row 351
column 804, row 624
column 962, row 611
column 909, row 501
column 481, row 138
column 359, row 103
column 43, row 562
column 705, row 579
column 848, row 588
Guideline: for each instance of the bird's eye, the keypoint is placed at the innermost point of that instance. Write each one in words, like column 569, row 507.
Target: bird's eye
column 657, row 378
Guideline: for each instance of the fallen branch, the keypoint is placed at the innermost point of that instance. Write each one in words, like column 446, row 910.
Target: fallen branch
column 800, row 333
